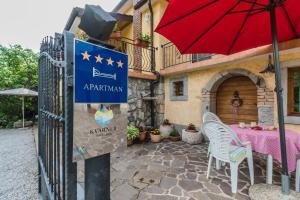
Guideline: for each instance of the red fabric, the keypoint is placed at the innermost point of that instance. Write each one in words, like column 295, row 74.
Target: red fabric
column 212, row 29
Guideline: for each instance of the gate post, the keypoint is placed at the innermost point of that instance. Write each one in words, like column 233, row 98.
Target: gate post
column 97, row 171
column 97, row 178
column 70, row 167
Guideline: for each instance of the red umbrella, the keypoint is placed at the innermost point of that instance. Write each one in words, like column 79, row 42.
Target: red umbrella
column 227, row 26
column 230, row 26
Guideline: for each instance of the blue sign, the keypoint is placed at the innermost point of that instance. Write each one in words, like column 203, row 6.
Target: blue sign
column 101, row 74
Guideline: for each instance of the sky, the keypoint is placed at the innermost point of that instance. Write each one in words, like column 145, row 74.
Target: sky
column 26, row 22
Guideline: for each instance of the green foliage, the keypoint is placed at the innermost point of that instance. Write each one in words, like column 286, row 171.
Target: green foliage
column 132, row 132
column 174, row 133
column 166, row 122
column 191, row 128
column 116, row 27
column 18, row 68
column 145, row 38
column 81, row 35
column 155, row 131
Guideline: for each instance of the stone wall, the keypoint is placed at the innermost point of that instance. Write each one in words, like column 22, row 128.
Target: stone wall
column 159, row 103
column 265, row 105
column 139, row 106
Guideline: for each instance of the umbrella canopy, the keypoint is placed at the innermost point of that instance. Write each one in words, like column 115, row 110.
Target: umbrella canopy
column 23, row 92
column 227, row 26
column 19, row 92
column 230, row 26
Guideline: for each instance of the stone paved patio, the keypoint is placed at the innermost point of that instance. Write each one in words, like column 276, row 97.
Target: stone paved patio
column 177, row 171
column 18, row 165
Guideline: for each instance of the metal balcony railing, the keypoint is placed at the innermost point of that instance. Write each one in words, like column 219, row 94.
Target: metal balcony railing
column 172, row 56
column 139, row 58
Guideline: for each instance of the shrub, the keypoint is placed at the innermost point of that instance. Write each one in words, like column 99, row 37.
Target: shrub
column 155, row 131
column 132, row 132
column 174, row 133
column 166, row 122
column 191, row 128
column 145, row 38
column 18, row 68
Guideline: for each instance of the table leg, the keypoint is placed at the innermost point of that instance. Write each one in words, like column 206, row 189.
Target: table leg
column 269, row 169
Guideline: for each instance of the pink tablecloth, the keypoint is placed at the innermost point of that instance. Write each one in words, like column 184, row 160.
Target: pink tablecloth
column 267, row 142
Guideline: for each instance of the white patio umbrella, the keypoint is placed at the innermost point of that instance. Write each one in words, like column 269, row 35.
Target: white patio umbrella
column 23, row 92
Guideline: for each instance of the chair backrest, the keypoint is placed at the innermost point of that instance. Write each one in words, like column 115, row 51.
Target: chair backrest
column 209, row 116
column 220, row 139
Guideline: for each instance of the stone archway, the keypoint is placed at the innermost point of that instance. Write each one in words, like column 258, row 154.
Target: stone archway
column 265, row 97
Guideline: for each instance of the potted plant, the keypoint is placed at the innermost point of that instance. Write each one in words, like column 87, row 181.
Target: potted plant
column 116, row 33
column 191, row 135
column 155, row 135
column 174, row 136
column 142, row 40
column 142, row 134
column 166, row 128
column 132, row 133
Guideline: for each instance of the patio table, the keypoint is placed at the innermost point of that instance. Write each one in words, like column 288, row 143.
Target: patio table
column 268, row 142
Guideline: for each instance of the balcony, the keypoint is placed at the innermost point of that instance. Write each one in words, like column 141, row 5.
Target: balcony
column 139, row 58
column 172, row 56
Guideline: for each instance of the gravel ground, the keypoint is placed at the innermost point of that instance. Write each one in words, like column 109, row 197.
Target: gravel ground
column 18, row 165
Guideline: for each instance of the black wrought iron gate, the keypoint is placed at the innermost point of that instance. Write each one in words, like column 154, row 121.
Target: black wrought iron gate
column 57, row 172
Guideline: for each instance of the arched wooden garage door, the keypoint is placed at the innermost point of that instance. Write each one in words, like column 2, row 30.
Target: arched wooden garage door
column 247, row 90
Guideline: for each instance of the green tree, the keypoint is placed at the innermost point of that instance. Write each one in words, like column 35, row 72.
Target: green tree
column 18, row 68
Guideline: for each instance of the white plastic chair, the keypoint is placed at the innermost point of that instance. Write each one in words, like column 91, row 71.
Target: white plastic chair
column 220, row 137
column 298, row 174
column 209, row 116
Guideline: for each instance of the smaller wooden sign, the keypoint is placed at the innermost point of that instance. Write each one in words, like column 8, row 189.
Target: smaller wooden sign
column 98, row 129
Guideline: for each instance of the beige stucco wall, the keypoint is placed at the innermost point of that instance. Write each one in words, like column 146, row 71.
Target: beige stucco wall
column 128, row 30
column 184, row 112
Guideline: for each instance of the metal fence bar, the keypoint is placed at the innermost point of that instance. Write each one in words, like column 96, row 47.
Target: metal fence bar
column 172, row 56
column 70, row 167
column 147, row 54
column 57, row 172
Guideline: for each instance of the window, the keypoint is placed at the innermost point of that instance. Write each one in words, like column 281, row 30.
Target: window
column 294, row 91
column 178, row 89
column 200, row 57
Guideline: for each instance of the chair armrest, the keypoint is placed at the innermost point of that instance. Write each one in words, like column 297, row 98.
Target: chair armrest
column 246, row 143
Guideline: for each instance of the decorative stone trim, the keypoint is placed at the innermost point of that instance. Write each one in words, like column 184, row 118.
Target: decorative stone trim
column 265, row 96
column 137, row 29
column 173, row 97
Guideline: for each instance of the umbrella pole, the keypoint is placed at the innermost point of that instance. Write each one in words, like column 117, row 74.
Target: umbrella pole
column 285, row 182
column 23, row 113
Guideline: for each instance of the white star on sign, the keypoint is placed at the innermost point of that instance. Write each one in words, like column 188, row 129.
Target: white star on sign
column 110, row 61
column 86, row 56
column 120, row 64
column 98, row 59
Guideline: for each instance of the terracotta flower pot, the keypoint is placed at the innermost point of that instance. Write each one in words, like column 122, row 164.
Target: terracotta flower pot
column 115, row 35
column 141, row 43
column 142, row 136
column 165, row 130
column 174, row 138
column 92, row 111
column 155, row 138
column 129, row 142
